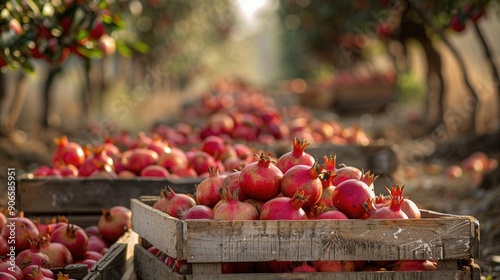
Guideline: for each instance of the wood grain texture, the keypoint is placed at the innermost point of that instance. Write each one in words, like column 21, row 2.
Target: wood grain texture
column 149, row 267
column 439, row 237
column 84, row 195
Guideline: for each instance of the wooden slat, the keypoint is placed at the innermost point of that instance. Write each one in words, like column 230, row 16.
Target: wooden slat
column 446, row 237
column 75, row 271
column 159, row 229
column 149, row 267
column 85, row 195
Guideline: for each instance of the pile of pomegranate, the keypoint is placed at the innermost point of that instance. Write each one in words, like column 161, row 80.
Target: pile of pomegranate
column 30, row 249
column 146, row 156
column 293, row 187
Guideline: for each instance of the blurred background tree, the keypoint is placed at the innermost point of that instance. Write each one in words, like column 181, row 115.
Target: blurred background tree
column 348, row 36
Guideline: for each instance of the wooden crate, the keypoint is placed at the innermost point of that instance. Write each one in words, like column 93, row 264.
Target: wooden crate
column 84, row 196
column 449, row 239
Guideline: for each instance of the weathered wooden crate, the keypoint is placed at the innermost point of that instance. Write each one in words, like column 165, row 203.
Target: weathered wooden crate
column 86, row 196
column 453, row 241
column 112, row 266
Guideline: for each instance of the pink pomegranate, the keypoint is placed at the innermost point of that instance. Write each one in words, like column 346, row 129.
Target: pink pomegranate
column 24, row 229
column 346, row 172
column 200, row 161
column 14, row 271
column 6, row 276
column 233, row 209
column 303, row 179
column 350, row 196
column 59, row 254
column 394, row 210
column 414, row 265
column 97, row 161
column 114, row 222
column 69, row 171
column 73, row 237
column 172, row 203
column 137, row 159
column 33, row 256
column 198, row 212
column 214, row 146
column 296, row 156
column 173, row 159
column 44, row 271
column 91, row 255
column 304, row 267
column 67, row 153
column 96, row 244
column 207, row 192
column 155, row 171
column 284, row 208
column 332, row 215
column 232, row 183
column 261, row 179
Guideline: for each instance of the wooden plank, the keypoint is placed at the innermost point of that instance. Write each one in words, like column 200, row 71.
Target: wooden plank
column 158, row 228
column 445, row 237
column 86, row 195
column 75, row 271
column 372, row 275
column 77, row 219
column 149, row 267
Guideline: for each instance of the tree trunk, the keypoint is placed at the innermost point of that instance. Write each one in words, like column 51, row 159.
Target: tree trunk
column 18, row 102
column 489, row 57
column 53, row 72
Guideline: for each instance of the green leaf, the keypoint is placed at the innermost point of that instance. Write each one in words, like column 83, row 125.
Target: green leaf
column 82, row 34
column 123, row 49
column 141, row 47
column 90, row 53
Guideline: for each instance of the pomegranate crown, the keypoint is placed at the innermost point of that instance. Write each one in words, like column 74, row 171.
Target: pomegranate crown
column 330, row 162
column 299, row 146
column 327, row 177
column 368, row 178
column 265, row 159
column 316, row 170
column 166, row 192
column 62, row 141
column 396, row 195
column 213, row 171
column 299, row 199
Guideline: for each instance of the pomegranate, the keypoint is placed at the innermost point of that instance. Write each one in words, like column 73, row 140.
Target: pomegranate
column 345, row 173
column 89, row 263
column 207, row 192
column 281, row 266
column 44, row 271
column 155, row 171
column 46, row 171
column 24, row 230
column 174, row 204
column 6, row 276
column 214, row 146
column 33, row 256
column 304, row 267
column 96, row 244
column 326, row 195
column 256, row 203
column 332, row 215
column 200, row 161
column 394, row 210
column 3, row 220
column 350, row 196
column 97, row 161
column 303, row 178
column 67, row 153
column 232, row 183
column 91, row 255
column 175, row 158
column 12, row 269
column 410, row 209
column 198, row 212
column 137, row 159
column 453, row 172
column 4, row 246
column 73, row 237
column 296, row 156
column 92, row 230
column 126, row 174
column 184, row 172
column 114, row 222
column 332, row 266
column 233, row 209
column 284, row 208
column 59, row 254
column 68, row 170
column 414, row 265
column 261, row 179
column 110, row 148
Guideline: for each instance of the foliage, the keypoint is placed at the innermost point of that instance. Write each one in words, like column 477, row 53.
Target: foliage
column 339, row 32
column 51, row 30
